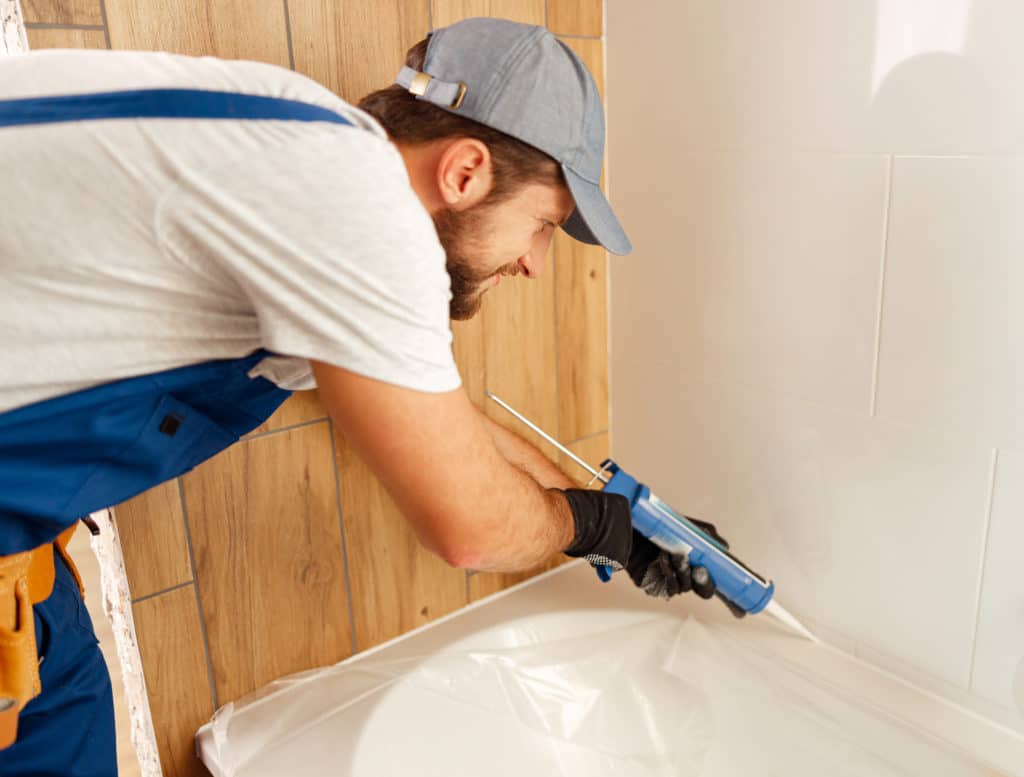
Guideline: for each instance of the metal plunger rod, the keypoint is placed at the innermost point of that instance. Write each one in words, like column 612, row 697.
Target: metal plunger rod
column 596, row 473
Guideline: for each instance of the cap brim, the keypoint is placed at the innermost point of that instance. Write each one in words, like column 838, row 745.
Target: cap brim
column 593, row 220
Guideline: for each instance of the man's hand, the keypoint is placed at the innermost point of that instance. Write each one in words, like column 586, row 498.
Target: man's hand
column 605, row 537
column 661, row 574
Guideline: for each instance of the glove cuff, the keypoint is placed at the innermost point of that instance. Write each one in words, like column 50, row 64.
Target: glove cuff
column 604, row 527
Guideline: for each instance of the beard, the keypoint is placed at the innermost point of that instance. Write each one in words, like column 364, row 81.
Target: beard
column 459, row 233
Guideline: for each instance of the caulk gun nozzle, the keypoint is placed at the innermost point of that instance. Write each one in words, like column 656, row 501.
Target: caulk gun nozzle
column 781, row 614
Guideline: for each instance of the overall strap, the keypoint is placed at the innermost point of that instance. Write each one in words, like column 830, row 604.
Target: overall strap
column 160, row 104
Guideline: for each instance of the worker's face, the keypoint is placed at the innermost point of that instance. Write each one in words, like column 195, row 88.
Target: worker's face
column 487, row 241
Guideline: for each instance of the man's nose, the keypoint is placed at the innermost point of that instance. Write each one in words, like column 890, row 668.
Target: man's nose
column 531, row 264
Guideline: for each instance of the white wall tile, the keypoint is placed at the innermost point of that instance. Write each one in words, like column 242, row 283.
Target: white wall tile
column 952, row 343
column 920, row 76
column 865, row 527
column 998, row 672
column 749, row 147
column 761, row 270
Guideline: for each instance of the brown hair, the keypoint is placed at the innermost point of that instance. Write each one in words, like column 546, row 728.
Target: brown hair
column 411, row 121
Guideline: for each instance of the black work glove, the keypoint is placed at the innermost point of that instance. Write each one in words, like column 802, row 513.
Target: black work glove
column 605, row 537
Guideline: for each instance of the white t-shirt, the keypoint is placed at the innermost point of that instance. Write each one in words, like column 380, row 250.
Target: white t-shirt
column 131, row 246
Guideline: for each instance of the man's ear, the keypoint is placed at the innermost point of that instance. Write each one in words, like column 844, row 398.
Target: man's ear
column 464, row 176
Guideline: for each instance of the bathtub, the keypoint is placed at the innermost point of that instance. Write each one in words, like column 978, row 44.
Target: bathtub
column 563, row 675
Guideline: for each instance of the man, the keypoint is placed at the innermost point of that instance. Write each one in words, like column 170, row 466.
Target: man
column 184, row 240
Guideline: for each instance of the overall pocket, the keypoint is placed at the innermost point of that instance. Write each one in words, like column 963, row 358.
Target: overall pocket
column 173, row 439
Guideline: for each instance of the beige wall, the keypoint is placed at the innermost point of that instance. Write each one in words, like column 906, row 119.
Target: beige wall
column 817, row 343
column 283, row 553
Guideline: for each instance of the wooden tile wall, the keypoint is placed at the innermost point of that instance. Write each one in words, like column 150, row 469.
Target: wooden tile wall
column 284, row 553
column 266, row 540
column 68, row 12
column 170, row 641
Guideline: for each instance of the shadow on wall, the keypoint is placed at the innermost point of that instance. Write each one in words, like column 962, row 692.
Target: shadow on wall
column 935, row 96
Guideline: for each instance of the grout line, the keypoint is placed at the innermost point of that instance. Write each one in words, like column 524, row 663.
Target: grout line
column 57, row 26
column 585, row 437
column 993, row 467
column 199, row 601
column 106, row 22
column 430, row 14
column 165, row 590
column 881, row 287
column 558, row 342
column 344, row 545
column 547, row 14
column 288, row 35
column 467, row 588
column 260, row 435
column 579, row 37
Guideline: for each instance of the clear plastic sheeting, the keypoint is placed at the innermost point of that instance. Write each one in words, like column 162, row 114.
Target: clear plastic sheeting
column 574, row 693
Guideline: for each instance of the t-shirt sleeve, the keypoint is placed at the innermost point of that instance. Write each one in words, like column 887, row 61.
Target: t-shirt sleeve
column 326, row 240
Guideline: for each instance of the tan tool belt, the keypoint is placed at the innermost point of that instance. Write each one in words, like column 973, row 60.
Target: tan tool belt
column 25, row 579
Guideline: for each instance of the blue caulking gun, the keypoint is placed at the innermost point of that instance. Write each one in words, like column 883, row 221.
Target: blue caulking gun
column 734, row 580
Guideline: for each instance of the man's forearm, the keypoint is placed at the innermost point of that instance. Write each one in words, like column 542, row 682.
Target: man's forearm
column 527, row 457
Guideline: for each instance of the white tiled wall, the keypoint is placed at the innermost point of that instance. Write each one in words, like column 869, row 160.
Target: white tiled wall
column 818, row 342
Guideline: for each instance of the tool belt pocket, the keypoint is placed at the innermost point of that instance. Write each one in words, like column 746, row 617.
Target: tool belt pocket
column 19, row 662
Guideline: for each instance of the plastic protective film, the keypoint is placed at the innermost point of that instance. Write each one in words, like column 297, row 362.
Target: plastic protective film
column 659, row 697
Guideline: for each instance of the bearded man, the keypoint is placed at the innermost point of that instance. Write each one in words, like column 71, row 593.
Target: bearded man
column 185, row 241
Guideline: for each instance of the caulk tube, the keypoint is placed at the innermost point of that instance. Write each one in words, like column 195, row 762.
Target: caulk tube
column 675, row 533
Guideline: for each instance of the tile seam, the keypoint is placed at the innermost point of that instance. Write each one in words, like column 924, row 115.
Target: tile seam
column 291, row 427
column 349, row 595
column 886, row 220
column 986, row 533
column 58, row 26
column 288, row 35
column 106, row 22
column 162, row 591
column 199, row 599
column 586, row 437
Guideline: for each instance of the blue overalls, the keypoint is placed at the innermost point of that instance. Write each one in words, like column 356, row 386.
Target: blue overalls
column 65, row 457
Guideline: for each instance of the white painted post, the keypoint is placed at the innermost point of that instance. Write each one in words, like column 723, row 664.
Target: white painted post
column 13, row 39
column 117, row 605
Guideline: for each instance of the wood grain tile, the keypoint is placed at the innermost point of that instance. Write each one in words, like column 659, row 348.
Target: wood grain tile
column 233, row 29
column 331, row 41
column 576, row 17
column 171, row 644
column 152, row 530
column 482, row 584
column 300, row 408
column 447, row 12
column 66, row 39
column 469, row 352
column 592, row 450
column 267, row 543
column 581, row 293
column 520, row 353
column 61, row 12
column 396, row 584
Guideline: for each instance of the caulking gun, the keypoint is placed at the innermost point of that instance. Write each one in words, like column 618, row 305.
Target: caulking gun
column 653, row 518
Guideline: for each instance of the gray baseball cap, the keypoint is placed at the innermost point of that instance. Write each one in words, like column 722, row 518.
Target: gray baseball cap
column 523, row 81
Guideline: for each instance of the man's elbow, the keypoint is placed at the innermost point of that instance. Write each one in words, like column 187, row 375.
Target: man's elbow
column 462, row 554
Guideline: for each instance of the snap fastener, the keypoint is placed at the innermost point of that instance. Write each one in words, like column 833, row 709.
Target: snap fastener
column 170, row 424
